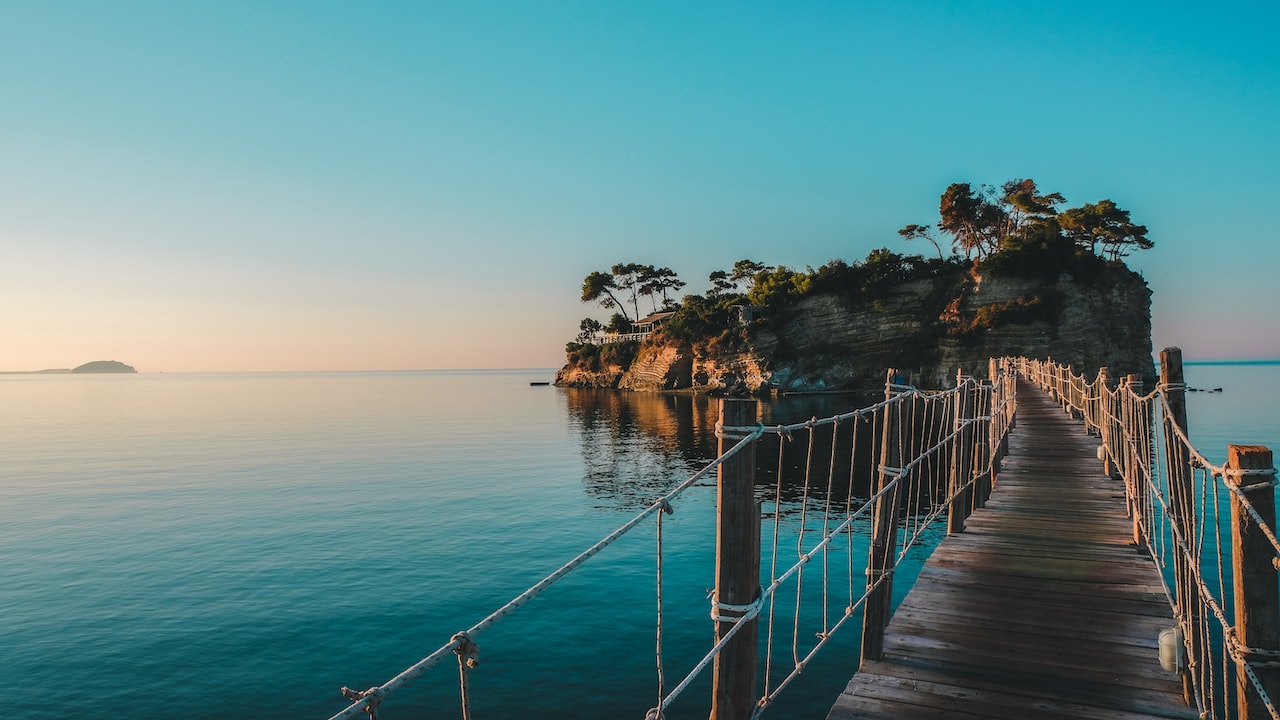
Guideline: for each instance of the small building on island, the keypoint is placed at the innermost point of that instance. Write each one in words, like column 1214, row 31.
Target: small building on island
column 640, row 329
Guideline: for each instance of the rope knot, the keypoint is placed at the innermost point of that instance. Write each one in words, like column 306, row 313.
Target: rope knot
column 467, row 651
column 665, row 507
column 373, row 696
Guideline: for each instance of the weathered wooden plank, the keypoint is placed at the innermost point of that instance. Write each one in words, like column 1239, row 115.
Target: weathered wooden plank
column 1103, row 699
column 957, row 693
column 1041, row 608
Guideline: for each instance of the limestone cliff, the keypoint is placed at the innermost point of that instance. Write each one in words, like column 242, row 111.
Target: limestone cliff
column 831, row 341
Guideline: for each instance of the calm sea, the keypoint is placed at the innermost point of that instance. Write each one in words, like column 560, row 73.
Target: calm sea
column 206, row 545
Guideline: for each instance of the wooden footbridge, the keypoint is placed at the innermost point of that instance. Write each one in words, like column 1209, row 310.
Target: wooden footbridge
column 1095, row 564
column 1042, row 607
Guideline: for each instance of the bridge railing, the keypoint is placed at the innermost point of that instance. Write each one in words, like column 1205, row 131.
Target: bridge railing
column 1210, row 528
column 844, row 499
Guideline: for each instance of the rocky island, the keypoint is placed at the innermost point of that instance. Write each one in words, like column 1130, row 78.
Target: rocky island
column 1023, row 279
column 104, row 366
column 96, row 366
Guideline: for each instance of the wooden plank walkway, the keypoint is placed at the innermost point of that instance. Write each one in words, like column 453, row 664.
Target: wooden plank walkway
column 1042, row 608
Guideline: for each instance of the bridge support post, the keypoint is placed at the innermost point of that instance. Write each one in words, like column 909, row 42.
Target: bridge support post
column 737, row 569
column 1136, row 489
column 984, row 447
column 884, row 528
column 1098, row 408
column 1257, row 594
column 1069, row 389
column 1182, row 513
column 961, row 459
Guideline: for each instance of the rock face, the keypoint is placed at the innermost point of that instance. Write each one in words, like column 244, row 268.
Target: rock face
column 1103, row 324
column 609, row 377
column 931, row 327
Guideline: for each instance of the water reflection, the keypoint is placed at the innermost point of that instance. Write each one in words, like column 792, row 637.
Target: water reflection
column 636, row 446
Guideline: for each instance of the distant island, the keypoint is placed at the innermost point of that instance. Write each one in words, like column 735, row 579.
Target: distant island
column 104, row 366
column 94, row 367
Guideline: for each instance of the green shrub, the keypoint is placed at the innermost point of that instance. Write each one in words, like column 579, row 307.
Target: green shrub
column 781, row 286
column 599, row 358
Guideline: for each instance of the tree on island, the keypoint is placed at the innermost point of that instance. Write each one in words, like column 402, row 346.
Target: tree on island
column 984, row 221
column 659, row 281
column 1106, row 224
column 599, row 287
column 631, row 280
column 738, row 280
column 921, row 232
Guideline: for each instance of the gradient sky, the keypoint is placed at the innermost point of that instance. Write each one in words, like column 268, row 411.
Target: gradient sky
column 399, row 185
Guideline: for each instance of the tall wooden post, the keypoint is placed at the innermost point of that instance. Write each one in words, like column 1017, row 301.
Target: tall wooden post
column 1182, row 510
column 1070, row 378
column 884, row 528
column 995, row 372
column 1132, row 472
column 961, row 460
column 1093, row 414
column 983, row 446
column 737, row 568
column 1011, row 419
column 1102, row 414
column 1257, row 594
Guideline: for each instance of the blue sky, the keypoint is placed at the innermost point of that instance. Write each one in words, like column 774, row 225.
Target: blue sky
column 341, row 185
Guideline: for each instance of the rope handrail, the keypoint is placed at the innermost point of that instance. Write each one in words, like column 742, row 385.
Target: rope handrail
column 898, row 394
column 374, row 695
column 1176, row 495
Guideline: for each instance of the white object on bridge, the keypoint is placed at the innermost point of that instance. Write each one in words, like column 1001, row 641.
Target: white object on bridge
column 1171, row 650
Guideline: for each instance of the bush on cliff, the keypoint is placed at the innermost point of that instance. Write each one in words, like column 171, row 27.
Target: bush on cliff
column 589, row 357
column 1043, row 253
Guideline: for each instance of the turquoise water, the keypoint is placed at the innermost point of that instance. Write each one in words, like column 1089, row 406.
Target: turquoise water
column 200, row 546
column 1246, row 412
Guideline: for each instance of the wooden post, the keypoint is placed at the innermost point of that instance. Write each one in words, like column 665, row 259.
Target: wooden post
column 1257, row 594
column 999, row 427
column 983, row 445
column 1106, row 423
column 1069, row 377
column 1182, row 510
column 884, row 529
column 1011, row 420
column 1099, row 409
column 961, row 460
column 1137, row 489
column 737, row 568
column 1010, row 392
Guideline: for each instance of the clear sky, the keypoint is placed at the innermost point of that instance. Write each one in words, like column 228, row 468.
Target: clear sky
column 397, row 185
